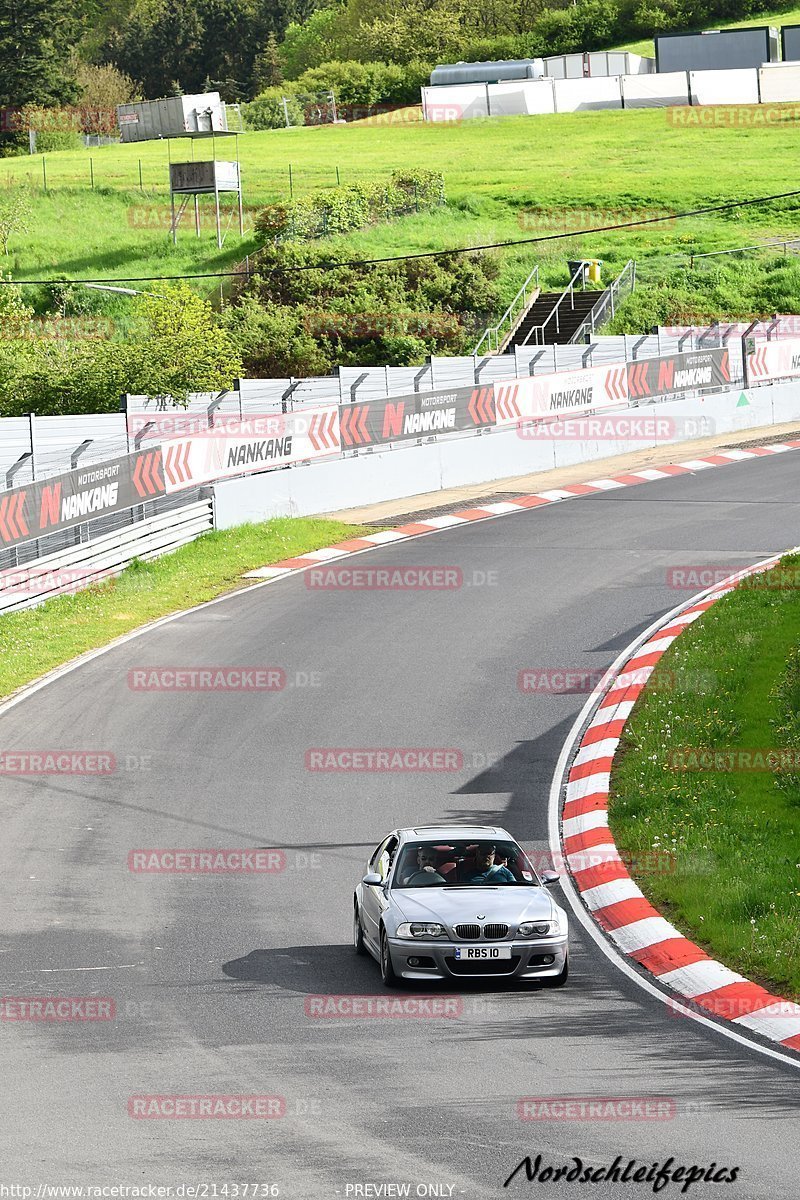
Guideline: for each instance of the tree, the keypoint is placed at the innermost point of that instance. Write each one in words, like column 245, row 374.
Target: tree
column 180, row 347
column 35, row 36
column 15, row 215
column 267, row 67
column 103, row 88
column 159, row 47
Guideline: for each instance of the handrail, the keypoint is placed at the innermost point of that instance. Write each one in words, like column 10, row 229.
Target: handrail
column 569, row 290
column 608, row 299
column 492, row 332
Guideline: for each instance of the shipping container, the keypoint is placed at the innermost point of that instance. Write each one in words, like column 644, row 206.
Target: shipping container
column 717, row 49
column 175, row 116
column 790, row 43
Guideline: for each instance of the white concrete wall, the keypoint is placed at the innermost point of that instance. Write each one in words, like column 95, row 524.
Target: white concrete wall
column 779, row 83
column 655, row 91
column 579, row 95
column 738, row 86
column 521, row 96
column 412, row 470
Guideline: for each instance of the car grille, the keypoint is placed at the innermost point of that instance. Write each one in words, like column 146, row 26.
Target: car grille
column 472, row 933
column 503, row 966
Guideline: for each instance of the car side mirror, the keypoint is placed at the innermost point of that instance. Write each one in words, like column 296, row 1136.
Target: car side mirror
column 550, row 877
column 373, row 879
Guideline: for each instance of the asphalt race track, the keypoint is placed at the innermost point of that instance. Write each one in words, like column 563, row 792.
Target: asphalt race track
column 210, row 972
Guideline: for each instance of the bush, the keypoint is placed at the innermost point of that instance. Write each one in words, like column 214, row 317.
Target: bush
column 341, row 210
column 267, row 110
column 308, row 44
column 300, row 322
column 358, row 85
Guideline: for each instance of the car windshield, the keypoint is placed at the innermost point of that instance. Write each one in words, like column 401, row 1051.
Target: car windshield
column 463, row 864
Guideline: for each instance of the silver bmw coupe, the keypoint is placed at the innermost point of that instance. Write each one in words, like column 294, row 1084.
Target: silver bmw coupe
column 439, row 902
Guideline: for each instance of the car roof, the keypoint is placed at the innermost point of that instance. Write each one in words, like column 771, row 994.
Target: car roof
column 454, row 833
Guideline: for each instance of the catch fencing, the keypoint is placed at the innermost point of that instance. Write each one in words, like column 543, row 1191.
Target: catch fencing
column 95, row 518
column 37, row 447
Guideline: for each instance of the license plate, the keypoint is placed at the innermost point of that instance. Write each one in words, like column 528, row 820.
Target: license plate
column 483, row 952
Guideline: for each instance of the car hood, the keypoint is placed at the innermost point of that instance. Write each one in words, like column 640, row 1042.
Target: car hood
column 450, row 906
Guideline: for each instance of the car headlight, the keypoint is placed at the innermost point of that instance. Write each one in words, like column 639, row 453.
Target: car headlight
column 420, row 929
column 534, row 928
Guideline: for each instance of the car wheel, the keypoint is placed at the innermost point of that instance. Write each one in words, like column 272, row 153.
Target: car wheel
column 387, row 970
column 358, row 933
column 560, row 979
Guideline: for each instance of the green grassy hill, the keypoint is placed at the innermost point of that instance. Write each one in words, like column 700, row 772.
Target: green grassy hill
column 616, row 164
column 782, row 16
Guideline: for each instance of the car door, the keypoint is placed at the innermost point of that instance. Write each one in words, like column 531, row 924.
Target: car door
column 373, row 898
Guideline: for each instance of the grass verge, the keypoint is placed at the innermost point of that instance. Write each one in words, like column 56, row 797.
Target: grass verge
column 499, row 177
column 40, row 639
column 724, row 844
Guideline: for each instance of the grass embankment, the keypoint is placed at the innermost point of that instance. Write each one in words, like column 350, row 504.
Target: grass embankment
column 504, row 177
column 38, row 640
column 782, row 16
column 733, row 837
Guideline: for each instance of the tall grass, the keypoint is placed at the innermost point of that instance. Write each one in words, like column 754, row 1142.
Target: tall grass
column 732, row 838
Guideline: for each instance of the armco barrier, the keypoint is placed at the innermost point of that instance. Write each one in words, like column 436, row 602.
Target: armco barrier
column 774, row 360
column 63, row 501
column 335, row 437
column 89, row 562
column 338, row 484
column 38, row 447
column 334, row 430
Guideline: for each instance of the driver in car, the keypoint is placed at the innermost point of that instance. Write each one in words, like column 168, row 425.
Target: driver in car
column 426, row 872
column 486, row 870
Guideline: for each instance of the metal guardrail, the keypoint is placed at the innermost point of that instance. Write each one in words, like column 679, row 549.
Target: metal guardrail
column 608, row 302
column 58, row 441
column 511, row 317
column 88, row 562
column 536, row 334
column 118, row 523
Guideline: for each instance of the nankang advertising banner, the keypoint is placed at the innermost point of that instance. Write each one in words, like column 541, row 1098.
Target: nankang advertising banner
column 774, row 360
column 673, row 373
column 220, row 453
column 415, row 415
column 62, row 501
column 560, row 394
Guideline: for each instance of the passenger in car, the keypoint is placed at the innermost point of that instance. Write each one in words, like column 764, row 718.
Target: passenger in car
column 486, row 870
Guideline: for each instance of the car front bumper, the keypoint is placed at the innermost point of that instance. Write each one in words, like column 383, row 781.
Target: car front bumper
column 528, row 960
